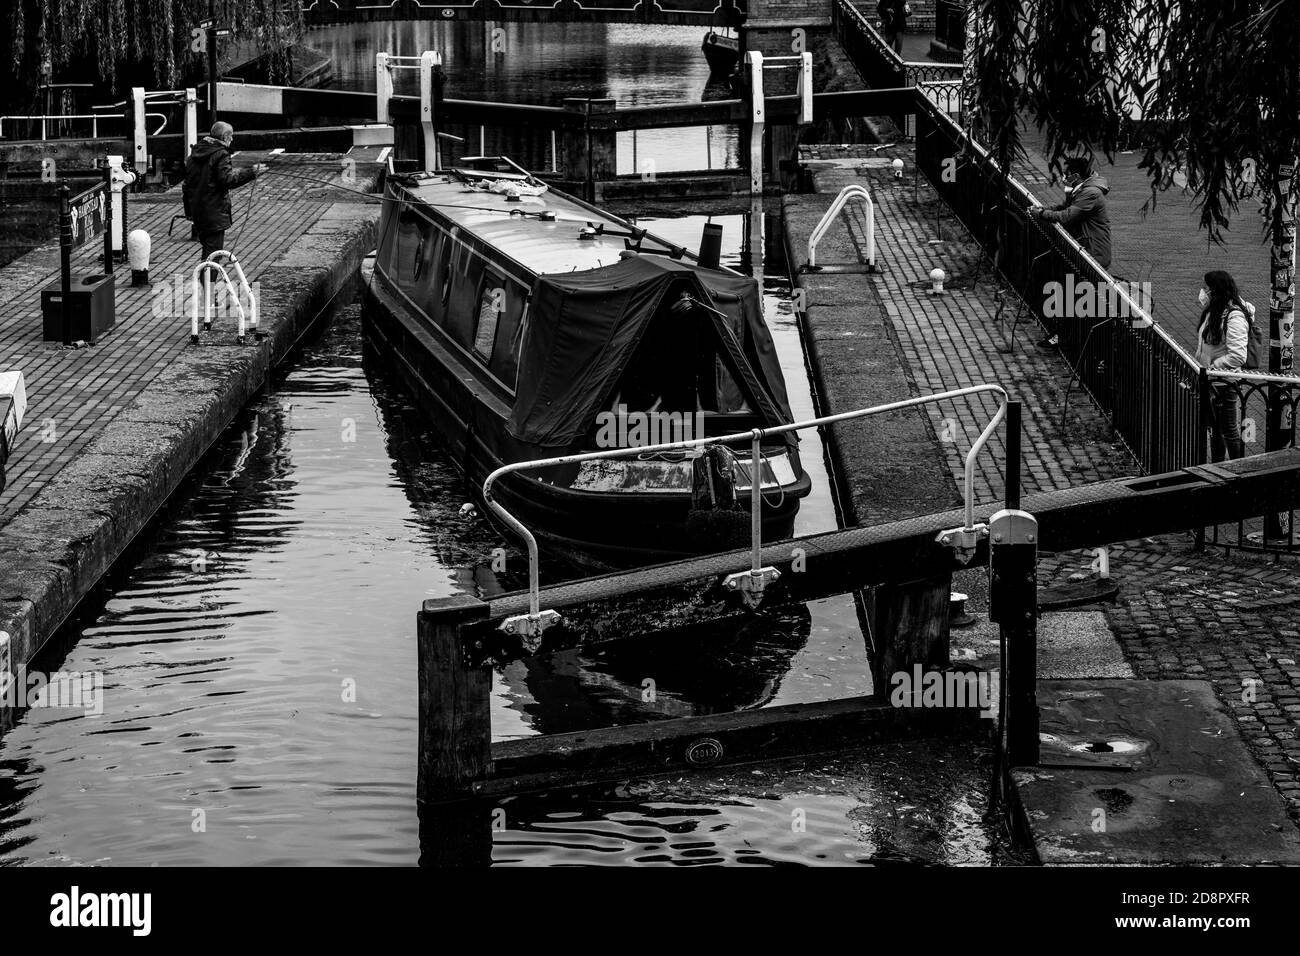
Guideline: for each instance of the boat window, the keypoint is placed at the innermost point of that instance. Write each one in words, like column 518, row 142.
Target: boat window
column 422, row 260
column 450, row 247
column 492, row 302
column 461, row 314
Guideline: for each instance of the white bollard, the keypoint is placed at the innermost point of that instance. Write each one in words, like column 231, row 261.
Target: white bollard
column 936, row 282
column 138, row 245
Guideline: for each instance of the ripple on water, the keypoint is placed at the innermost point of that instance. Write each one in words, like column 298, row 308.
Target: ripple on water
column 260, row 684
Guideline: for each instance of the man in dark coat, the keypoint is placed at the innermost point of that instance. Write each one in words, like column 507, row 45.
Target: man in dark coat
column 209, row 177
column 893, row 21
column 1083, row 214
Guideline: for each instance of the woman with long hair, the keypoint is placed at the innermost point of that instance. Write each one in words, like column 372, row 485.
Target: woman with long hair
column 1222, row 342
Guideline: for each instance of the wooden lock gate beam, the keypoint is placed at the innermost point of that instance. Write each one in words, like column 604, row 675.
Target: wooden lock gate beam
column 457, row 635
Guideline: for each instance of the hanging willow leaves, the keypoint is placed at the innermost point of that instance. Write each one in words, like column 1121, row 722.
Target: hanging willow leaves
column 115, row 34
column 1209, row 89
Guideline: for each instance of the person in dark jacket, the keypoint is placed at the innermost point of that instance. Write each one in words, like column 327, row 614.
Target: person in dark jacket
column 893, row 21
column 209, row 177
column 1083, row 214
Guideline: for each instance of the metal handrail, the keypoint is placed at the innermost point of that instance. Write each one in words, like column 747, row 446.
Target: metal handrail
column 203, row 268
column 819, row 232
column 1238, row 375
column 233, row 261
column 93, row 117
column 534, row 622
column 1143, row 318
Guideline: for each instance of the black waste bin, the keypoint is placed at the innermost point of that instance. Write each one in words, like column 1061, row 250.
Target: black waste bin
column 92, row 304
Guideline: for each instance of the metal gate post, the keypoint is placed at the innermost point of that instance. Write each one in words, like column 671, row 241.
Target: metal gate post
column 191, row 100
column 65, row 258
column 383, row 87
column 429, row 62
column 1013, row 605
column 757, row 120
column 139, row 133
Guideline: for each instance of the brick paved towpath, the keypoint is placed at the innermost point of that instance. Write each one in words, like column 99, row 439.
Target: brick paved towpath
column 111, row 429
column 1181, row 614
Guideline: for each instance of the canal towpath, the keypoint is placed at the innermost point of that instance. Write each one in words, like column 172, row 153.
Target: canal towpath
column 111, row 429
column 1181, row 614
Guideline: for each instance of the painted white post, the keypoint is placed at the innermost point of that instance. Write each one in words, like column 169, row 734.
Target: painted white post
column 429, row 61
column 383, row 87
column 120, row 180
column 140, row 135
column 191, row 119
column 758, row 118
column 805, row 89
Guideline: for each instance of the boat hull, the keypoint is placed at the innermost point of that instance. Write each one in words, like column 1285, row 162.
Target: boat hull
column 593, row 529
column 721, row 53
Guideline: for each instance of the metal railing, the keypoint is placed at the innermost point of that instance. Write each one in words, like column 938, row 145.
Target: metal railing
column 1256, row 393
column 1153, row 392
column 751, row 583
column 204, row 269
column 95, row 119
column 881, row 68
column 1146, row 384
column 819, row 231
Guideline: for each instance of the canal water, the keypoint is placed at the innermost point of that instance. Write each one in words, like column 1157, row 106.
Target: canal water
column 542, row 64
column 258, row 658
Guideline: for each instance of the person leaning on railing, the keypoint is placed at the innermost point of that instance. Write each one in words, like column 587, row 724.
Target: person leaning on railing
column 1223, row 340
column 1083, row 214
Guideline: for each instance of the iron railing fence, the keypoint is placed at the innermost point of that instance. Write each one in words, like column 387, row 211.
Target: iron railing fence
column 1145, row 383
column 881, row 68
column 1257, row 393
column 1153, row 392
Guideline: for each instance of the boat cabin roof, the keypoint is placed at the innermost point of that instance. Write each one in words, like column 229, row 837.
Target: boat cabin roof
column 539, row 246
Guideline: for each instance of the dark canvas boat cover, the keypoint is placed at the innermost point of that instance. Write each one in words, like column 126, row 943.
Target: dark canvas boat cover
column 584, row 328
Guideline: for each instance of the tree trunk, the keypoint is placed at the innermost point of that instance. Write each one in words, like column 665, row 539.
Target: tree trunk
column 1281, row 328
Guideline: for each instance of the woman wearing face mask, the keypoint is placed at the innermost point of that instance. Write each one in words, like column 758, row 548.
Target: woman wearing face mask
column 1222, row 341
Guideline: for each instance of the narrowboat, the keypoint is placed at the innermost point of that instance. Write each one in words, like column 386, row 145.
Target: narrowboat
column 531, row 325
column 721, row 52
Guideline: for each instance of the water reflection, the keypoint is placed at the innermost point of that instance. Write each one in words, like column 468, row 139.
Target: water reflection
column 542, row 64
column 905, row 804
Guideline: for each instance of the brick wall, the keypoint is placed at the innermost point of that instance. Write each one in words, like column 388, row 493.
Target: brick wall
column 788, row 10
column 921, row 20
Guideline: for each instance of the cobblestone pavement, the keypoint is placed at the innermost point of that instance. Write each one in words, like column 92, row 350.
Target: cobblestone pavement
column 956, row 340
column 1181, row 613
column 1187, row 614
column 73, row 394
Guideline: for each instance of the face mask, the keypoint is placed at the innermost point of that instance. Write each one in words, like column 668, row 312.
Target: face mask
column 1204, row 298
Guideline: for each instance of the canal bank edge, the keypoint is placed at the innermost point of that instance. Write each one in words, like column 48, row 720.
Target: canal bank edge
column 886, row 467
column 58, row 548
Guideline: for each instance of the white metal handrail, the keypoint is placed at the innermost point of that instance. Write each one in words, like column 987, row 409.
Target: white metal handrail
column 211, row 264
column 1244, row 375
column 819, row 232
column 247, row 290
column 93, row 117
column 532, row 624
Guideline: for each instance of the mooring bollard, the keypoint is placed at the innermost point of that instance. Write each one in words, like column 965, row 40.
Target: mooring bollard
column 455, row 729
